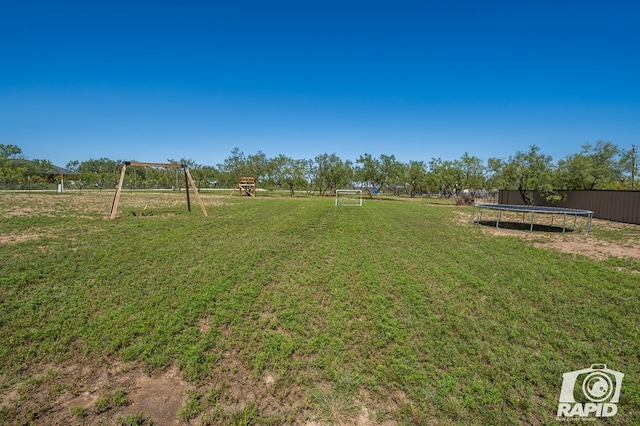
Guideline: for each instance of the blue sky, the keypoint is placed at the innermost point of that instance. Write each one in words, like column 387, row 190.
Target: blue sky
column 149, row 81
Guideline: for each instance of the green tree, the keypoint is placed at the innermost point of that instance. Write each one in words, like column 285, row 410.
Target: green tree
column 16, row 171
column 448, row 175
column 208, row 175
column 203, row 176
column 628, row 164
column 391, row 173
column 400, row 179
column 417, row 177
column 473, row 172
column 234, row 167
column 289, row 172
column 367, row 173
column 238, row 165
column 329, row 173
column 101, row 172
column 526, row 172
column 72, row 166
column 41, row 168
column 375, row 173
column 11, row 170
column 10, row 152
column 258, row 167
column 596, row 166
column 495, row 178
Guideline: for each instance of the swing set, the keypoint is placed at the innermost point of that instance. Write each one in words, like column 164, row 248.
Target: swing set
column 188, row 181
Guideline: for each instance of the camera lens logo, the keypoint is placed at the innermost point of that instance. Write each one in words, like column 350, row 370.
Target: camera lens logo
column 597, row 387
column 600, row 391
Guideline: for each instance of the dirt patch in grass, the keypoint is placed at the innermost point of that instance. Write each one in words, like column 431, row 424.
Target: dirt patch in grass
column 575, row 244
column 159, row 396
column 84, row 394
column 18, row 238
column 598, row 250
column 591, row 245
column 112, row 391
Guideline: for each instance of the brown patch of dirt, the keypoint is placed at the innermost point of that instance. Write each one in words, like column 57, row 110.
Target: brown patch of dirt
column 362, row 419
column 600, row 250
column 269, row 378
column 236, row 386
column 574, row 244
column 68, row 394
column 204, row 324
column 159, row 396
column 18, row 238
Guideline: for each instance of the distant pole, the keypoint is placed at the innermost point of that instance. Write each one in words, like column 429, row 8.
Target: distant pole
column 633, row 167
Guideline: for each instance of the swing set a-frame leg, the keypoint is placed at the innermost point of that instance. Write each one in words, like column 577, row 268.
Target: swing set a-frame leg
column 116, row 199
column 189, row 179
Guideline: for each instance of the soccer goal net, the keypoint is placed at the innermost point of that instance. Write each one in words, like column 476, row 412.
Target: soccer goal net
column 348, row 197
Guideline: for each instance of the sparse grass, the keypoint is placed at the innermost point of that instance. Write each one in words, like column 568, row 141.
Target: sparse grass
column 396, row 306
column 192, row 408
column 78, row 411
column 135, row 420
column 117, row 398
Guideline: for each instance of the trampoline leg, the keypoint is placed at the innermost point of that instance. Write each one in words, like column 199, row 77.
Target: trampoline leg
column 531, row 228
column 564, row 223
column 498, row 219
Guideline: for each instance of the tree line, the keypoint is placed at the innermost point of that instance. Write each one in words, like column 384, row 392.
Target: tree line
column 602, row 165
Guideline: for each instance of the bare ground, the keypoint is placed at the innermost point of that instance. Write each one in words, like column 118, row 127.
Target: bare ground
column 70, row 394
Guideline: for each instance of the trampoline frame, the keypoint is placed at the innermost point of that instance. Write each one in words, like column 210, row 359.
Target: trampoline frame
column 534, row 209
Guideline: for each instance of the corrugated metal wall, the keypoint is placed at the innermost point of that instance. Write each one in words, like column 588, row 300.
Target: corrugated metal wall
column 618, row 206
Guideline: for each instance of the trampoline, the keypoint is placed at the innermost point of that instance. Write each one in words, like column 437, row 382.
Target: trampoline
column 533, row 210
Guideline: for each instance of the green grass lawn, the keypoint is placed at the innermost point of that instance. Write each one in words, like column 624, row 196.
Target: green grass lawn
column 294, row 311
